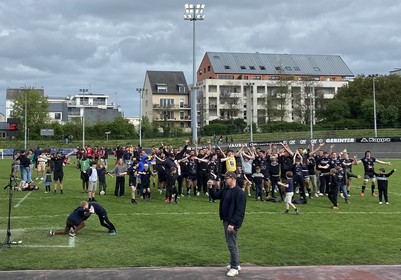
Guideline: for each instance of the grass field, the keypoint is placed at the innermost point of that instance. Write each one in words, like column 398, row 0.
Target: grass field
column 159, row 234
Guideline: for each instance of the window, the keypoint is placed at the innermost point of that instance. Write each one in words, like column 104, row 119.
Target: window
column 216, row 57
column 296, row 68
column 278, row 68
column 243, row 67
column 161, row 88
column 316, row 69
column 166, row 115
column 246, row 77
column 227, row 67
column 208, row 68
column 252, row 67
column 181, row 115
column 288, row 68
column 181, row 88
column 262, row 68
column 166, row 102
column 57, row 116
column 181, row 103
column 226, row 77
column 257, row 77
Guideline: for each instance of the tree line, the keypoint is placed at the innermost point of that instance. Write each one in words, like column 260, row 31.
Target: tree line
column 352, row 107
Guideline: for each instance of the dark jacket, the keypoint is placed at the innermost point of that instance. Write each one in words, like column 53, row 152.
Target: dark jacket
column 237, row 206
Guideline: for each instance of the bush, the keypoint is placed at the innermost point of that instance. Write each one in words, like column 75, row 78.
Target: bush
column 283, row 127
column 217, row 128
column 342, row 124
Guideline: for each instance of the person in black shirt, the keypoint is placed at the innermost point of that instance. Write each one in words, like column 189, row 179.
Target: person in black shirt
column 58, row 173
column 75, row 220
column 382, row 182
column 103, row 218
column 145, row 175
column 171, row 188
column 324, row 167
column 132, row 172
column 232, row 213
column 368, row 166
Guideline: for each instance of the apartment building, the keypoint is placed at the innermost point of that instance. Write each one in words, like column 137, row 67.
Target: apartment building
column 267, row 87
column 95, row 107
column 165, row 99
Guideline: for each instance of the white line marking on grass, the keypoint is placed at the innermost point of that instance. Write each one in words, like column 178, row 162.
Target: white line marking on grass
column 71, row 240
column 47, row 246
column 213, row 213
column 22, row 199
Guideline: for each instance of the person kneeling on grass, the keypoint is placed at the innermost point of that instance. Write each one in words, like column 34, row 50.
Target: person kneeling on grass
column 75, row 220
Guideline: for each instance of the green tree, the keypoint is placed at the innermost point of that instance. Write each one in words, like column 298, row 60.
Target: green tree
column 34, row 105
column 335, row 110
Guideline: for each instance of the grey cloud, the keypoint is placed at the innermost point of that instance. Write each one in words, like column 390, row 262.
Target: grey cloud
column 109, row 45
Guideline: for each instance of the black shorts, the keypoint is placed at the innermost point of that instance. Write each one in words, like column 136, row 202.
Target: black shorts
column 58, row 176
column 369, row 175
column 192, row 177
column 84, row 176
column 249, row 177
column 162, row 177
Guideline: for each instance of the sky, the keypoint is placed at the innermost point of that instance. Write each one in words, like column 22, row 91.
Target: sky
column 107, row 46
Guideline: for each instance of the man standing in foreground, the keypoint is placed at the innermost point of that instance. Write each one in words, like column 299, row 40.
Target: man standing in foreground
column 232, row 212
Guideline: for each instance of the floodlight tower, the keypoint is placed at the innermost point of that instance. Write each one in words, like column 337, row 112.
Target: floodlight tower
column 194, row 12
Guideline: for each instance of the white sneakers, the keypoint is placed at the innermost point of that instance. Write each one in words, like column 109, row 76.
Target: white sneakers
column 229, row 267
column 232, row 272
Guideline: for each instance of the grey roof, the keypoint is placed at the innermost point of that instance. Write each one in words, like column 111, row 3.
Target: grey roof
column 13, row 93
column 169, row 78
column 290, row 64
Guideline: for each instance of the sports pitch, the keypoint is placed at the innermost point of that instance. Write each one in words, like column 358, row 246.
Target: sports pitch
column 190, row 234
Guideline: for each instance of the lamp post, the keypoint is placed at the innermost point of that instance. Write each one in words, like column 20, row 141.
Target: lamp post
column 194, row 12
column 83, row 90
column 140, row 91
column 374, row 102
column 250, row 109
column 311, row 106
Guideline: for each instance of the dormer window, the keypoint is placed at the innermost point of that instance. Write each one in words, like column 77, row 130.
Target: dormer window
column 161, row 88
column 181, row 88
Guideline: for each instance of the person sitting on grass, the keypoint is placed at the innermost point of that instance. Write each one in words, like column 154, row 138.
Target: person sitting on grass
column 75, row 220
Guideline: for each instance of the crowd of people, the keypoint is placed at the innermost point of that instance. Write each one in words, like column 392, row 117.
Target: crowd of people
column 270, row 174
column 273, row 174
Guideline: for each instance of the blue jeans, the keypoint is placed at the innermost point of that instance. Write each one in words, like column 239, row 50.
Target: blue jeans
column 231, row 239
column 24, row 174
column 343, row 188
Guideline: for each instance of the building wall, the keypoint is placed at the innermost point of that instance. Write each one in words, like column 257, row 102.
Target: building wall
column 246, row 99
column 164, row 107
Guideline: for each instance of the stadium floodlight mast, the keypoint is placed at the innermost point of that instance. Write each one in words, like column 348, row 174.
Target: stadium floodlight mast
column 83, row 90
column 194, row 12
column 250, row 105
column 140, row 91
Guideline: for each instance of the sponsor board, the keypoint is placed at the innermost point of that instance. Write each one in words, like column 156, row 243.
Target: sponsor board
column 320, row 140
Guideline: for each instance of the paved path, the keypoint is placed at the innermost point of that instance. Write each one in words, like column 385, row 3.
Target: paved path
column 362, row 272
